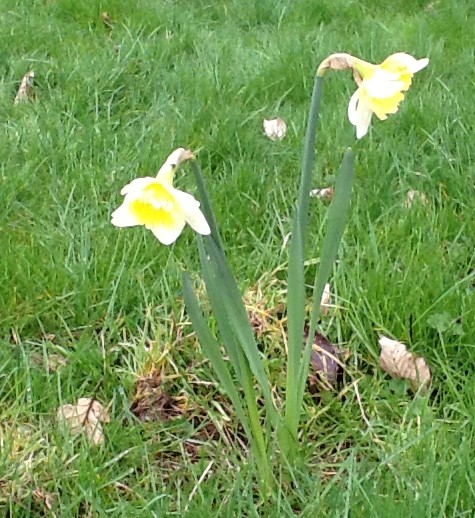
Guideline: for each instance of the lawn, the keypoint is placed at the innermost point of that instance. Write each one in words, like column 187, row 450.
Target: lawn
column 90, row 310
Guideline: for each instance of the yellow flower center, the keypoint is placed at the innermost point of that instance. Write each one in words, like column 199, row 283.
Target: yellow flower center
column 156, row 206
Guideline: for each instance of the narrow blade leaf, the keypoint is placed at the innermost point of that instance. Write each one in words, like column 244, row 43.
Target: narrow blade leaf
column 206, row 204
column 338, row 215
column 212, row 350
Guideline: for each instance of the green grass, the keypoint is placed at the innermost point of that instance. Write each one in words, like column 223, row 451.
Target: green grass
column 110, row 107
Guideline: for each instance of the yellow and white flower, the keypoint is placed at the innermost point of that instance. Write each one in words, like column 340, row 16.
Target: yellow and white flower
column 157, row 205
column 380, row 88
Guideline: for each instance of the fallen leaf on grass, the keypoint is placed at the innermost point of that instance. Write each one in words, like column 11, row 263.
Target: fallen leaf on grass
column 26, row 90
column 397, row 361
column 275, row 129
column 326, row 299
column 107, row 20
column 45, row 498
column 326, row 193
column 152, row 403
column 53, row 362
column 414, row 197
column 326, row 360
column 86, row 415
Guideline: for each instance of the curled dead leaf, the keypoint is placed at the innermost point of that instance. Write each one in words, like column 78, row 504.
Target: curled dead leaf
column 275, row 129
column 397, row 361
column 87, row 415
column 26, row 89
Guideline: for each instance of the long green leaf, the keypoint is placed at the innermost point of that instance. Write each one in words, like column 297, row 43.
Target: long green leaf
column 206, row 204
column 212, row 351
column 295, row 324
column 338, row 215
column 215, row 294
column 296, row 276
column 238, row 319
column 309, row 156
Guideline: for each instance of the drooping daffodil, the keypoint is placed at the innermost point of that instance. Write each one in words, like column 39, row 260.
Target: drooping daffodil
column 380, row 87
column 380, row 90
column 157, row 205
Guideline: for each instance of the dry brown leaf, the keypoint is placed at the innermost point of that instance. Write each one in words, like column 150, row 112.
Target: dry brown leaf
column 414, row 197
column 86, row 415
column 26, row 90
column 275, row 129
column 326, row 193
column 397, row 361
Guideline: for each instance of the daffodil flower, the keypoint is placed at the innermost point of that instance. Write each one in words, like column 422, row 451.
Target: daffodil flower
column 380, row 88
column 158, row 206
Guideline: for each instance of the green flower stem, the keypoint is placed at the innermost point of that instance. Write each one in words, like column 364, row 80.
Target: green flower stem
column 296, row 282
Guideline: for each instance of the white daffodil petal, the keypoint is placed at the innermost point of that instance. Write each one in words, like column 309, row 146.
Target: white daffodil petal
column 352, row 115
column 166, row 234
column 192, row 213
column 382, row 87
column 359, row 115
column 412, row 64
column 419, row 65
column 195, row 218
column 123, row 217
column 137, row 185
column 364, row 115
